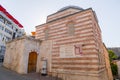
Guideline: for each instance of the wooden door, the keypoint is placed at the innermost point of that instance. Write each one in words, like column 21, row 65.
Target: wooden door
column 32, row 62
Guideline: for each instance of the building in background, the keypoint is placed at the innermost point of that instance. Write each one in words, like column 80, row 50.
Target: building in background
column 10, row 29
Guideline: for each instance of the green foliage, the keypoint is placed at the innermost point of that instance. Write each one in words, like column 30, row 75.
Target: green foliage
column 112, row 57
column 114, row 69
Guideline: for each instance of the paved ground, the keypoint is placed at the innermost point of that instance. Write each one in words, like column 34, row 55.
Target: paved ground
column 0, row 64
column 6, row 74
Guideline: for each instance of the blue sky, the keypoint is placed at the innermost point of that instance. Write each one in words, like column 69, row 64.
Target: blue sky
column 31, row 13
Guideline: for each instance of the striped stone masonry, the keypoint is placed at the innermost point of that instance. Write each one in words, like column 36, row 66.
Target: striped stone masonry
column 77, row 46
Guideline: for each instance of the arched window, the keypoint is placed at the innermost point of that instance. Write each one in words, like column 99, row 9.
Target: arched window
column 71, row 29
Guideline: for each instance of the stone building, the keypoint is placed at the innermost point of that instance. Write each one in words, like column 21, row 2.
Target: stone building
column 18, row 52
column 70, row 42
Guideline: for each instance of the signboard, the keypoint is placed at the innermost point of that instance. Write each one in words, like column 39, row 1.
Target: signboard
column 68, row 51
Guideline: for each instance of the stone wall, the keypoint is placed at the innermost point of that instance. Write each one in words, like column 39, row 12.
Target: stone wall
column 77, row 47
column 13, row 55
column 118, row 64
column 17, row 53
column 107, row 62
column 45, row 54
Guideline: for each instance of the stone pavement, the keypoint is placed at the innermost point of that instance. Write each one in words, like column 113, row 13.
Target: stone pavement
column 6, row 74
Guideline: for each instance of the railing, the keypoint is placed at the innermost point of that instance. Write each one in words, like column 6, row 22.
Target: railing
column 9, row 25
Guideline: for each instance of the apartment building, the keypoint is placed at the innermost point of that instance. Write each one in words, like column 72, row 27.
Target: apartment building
column 10, row 29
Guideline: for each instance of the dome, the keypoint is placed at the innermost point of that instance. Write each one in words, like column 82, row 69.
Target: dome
column 73, row 7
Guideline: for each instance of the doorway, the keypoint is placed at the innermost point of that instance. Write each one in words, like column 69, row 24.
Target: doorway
column 32, row 61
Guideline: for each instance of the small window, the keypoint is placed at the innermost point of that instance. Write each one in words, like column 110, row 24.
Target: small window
column 9, row 24
column 71, row 29
column 8, row 31
column 7, row 38
column 1, row 18
column 1, row 27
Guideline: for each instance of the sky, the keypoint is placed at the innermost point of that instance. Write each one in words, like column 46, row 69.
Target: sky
column 31, row 13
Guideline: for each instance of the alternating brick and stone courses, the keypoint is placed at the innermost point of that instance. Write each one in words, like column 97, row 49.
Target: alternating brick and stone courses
column 71, row 43
column 77, row 48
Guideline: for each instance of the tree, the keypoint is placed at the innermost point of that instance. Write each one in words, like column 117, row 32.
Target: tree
column 113, row 56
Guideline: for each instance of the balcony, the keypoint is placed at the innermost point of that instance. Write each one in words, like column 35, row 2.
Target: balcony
column 9, row 25
column 2, row 20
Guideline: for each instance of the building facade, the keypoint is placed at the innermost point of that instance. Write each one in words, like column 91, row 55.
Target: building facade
column 77, row 47
column 10, row 29
column 70, row 42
